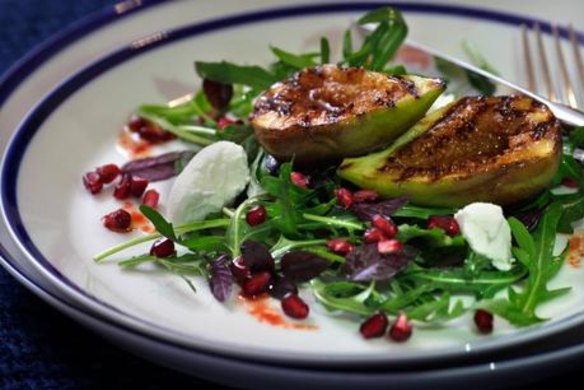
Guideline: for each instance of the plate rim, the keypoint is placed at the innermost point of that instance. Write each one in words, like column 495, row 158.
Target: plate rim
column 20, row 236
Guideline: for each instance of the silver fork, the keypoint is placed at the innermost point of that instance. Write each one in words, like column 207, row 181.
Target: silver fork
column 562, row 84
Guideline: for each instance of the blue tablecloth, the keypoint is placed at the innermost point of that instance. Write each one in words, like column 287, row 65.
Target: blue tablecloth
column 39, row 347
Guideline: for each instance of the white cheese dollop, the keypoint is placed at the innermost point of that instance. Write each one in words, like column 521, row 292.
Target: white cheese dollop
column 487, row 232
column 212, row 179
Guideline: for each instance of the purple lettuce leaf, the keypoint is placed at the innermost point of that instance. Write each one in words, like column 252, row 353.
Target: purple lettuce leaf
column 160, row 167
column 302, row 266
column 221, row 279
column 364, row 263
column 366, row 211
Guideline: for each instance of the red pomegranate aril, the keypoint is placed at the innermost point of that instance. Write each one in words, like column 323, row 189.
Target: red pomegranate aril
column 138, row 186
column 385, row 225
column 239, row 271
column 92, row 182
column 344, row 198
column 224, row 121
column 280, row 287
column 401, row 329
column 136, row 123
column 162, row 248
column 123, row 189
column 340, row 246
column 118, row 221
column 446, row 223
column 484, row 321
column 389, row 246
column 151, row 198
column 373, row 235
column 365, row 196
column 155, row 134
column 299, row 179
column 108, row 172
column 257, row 284
column 374, row 326
column 570, row 182
column 256, row 215
column 295, row 307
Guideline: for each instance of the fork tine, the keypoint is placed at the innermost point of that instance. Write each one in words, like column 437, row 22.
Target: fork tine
column 528, row 60
column 567, row 89
column 547, row 77
column 578, row 59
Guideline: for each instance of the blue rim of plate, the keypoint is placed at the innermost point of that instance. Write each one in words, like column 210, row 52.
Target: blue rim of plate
column 33, row 121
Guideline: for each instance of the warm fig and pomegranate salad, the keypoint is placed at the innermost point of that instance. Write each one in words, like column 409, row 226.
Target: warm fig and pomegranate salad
column 347, row 182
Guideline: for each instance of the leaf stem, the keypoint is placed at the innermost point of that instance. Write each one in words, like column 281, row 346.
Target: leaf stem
column 336, row 222
column 187, row 228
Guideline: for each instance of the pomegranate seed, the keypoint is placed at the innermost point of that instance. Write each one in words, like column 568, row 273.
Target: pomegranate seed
column 138, row 186
column 446, row 223
column 401, row 330
column 217, row 94
column 92, row 181
column 239, row 270
column 118, row 221
column 299, row 179
column 374, row 326
column 162, row 248
column 344, row 197
column 108, row 172
column 123, row 189
column 224, row 121
column 385, row 225
column 280, row 287
column 389, row 246
column 155, row 134
column 257, row 284
column 484, row 321
column 295, row 307
column 256, row 216
column 373, row 235
column 570, row 182
column 340, row 246
column 365, row 196
column 136, row 123
column 151, row 198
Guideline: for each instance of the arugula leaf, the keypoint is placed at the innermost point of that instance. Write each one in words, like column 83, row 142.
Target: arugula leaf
column 481, row 83
column 536, row 252
column 412, row 211
column 576, row 137
column 483, row 284
column 347, row 296
column 434, row 237
column 296, row 61
column 229, row 73
column 289, row 199
column 162, row 225
column 325, row 51
column 380, row 46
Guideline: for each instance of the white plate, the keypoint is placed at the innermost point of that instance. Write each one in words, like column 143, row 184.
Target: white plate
column 56, row 223
column 504, row 372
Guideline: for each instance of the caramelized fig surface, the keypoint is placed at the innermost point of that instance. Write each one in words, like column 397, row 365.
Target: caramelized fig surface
column 323, row 114
column 492, row 149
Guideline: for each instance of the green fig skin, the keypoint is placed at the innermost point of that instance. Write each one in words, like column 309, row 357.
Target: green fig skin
column 491, row 149
column 323, row 114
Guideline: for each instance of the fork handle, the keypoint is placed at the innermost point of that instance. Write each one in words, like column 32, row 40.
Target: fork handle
column 567, row 115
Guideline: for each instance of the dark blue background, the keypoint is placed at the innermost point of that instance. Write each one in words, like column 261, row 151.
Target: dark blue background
column 39, row 347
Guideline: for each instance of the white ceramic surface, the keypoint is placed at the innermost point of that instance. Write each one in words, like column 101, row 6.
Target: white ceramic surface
column 63, row 220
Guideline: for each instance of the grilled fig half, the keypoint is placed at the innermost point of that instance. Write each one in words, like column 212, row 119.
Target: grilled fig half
column 325, row 113
column 492, row 149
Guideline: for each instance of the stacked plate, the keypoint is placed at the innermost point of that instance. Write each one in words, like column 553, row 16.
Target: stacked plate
column 62, row 109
